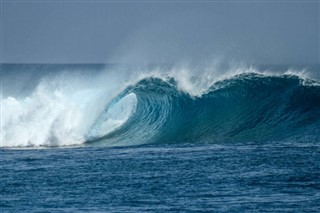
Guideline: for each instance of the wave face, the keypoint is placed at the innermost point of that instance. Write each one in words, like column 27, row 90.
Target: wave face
column 246, row 107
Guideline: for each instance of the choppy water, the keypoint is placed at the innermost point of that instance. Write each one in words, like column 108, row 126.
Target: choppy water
column 273, row 177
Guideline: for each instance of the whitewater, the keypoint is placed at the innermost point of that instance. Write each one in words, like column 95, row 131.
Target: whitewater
column 89, row 105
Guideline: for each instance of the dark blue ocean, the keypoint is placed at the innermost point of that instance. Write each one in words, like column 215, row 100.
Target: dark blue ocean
column 109, row 138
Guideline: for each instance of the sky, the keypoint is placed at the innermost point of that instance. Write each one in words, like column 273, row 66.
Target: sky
column 262, row 32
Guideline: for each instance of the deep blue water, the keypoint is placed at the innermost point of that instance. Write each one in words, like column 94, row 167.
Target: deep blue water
column 253, row 177
column 96, row 138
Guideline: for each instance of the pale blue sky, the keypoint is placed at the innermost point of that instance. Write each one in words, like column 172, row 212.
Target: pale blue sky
column 142, row 31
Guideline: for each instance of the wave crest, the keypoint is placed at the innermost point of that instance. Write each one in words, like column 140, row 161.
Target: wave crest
column 245, row 107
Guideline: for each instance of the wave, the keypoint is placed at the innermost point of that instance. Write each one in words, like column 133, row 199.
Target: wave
column 161, row 108
column 246, row 107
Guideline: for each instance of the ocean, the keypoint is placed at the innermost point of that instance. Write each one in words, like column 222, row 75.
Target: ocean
column 159, row 138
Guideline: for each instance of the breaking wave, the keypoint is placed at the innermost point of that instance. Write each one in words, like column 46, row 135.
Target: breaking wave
column 245, row 107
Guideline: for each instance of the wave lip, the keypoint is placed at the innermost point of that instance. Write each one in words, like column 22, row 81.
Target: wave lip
column 245, row 107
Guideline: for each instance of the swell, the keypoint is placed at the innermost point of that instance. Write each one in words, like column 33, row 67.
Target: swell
column 246, row 107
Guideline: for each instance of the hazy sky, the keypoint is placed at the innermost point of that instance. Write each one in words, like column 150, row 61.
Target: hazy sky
column 134, row 32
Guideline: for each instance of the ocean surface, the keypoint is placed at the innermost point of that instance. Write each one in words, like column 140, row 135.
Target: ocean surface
column 159, row 138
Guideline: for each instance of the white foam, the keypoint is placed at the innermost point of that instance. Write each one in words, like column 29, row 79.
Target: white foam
column 59, row 112
column 44, row 119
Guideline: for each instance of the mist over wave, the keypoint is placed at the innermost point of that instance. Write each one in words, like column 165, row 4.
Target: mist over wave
column 86, row 105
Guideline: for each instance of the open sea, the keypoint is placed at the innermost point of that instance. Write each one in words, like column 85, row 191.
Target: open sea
column 159, row 138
